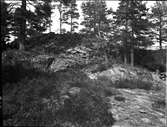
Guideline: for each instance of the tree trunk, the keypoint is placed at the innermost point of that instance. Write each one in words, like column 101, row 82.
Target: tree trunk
column 23, row 26
column 71, row 17
column 50, row 20
column 132, row 56
column 160, row 33
column 106, row 59
column 60, row 22
column 125, row 43
column 50, row 30
column 132, row 48
column 125, row 58
column 71, row 25
column 60, row 19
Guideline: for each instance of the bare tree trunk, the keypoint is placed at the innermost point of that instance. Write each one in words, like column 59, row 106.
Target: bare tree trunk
column 23, row 26
column 71, row 17
column 166, row 81
column 132, row 48
column 60, row 23
column 94, row 23
column 50, row 20
column 71, row 25
column 132, row 56
column 160, row 33
column 125, row 58
column 60, row 19
column 106, row 59
column 50, row 30
column 125, row 43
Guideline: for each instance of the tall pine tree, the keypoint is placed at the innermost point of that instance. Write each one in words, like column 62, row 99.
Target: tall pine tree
column 28, row 23
column 6, row 19
column 131, row 17
column 94, row 13
column 71, row 15
column 159, row 20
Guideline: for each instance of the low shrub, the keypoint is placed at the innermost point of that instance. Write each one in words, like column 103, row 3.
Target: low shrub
column 17, row 72
column 87, row 109
column 26, row 96
column 133, row 84
column 151, row 59
column 54, row 43
column 105, row 86
column 14, row 73
column 100, row 68
column 119, row 98
column 159, row 103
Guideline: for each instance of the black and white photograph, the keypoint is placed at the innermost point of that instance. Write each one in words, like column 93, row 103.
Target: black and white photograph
column 84, row 63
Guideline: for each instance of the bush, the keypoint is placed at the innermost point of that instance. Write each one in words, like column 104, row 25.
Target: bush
column 54, row 43
column 104, row 86
column 27, row 98
column 119, row 98
column 14, row 73
column 87, row 109
column 159, row 103
column 133, row 84
column 151, row 59
column 17, row 72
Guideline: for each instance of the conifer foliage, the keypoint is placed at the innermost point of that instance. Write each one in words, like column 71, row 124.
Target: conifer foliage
column 71, row 15
column 94, row 13
column 131, row 18
column 159, row 21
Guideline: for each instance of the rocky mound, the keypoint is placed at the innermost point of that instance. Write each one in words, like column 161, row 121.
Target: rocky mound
column 47, row 62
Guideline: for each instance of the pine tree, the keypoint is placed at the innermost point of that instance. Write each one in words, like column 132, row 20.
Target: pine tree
column 131, row 17
column 159, row 20
column 94, row 13
column 6, row 19
column 70, row 16
column 40, row 19
column 61, row 9
column 28, row 23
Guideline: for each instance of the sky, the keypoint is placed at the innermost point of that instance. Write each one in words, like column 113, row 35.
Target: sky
column 55, row 15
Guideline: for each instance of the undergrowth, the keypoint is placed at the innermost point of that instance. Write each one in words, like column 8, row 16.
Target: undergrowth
column 127, row 83
column 134, row 84
column 42, row 99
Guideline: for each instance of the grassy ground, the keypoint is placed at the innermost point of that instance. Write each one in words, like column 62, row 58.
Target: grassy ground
column 44, row 99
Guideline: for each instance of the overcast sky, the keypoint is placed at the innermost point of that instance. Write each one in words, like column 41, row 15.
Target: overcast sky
column 110, row 4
